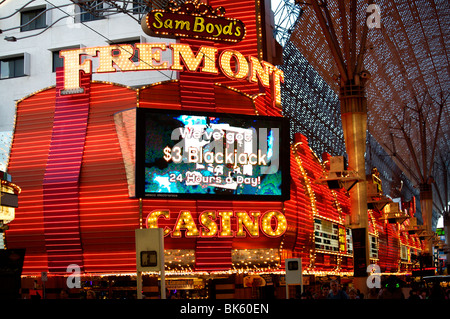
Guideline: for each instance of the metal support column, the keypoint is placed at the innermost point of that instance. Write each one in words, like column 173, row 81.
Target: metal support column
column 354, row 124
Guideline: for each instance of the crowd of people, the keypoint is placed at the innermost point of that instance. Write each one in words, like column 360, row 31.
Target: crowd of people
column 391, row 289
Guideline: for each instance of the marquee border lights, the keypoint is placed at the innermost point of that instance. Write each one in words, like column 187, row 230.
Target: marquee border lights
column 340, row 220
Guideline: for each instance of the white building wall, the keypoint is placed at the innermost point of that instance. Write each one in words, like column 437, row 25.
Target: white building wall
column 65, row 33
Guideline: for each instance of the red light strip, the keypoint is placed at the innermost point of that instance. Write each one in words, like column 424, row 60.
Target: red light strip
column 60, row 184
column 29, row 154
column 108, row 216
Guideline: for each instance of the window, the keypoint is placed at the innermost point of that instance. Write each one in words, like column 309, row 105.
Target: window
column 140, row 6
column 12, row 67
column 57, row 61
column 91, row 11
column 33, row 19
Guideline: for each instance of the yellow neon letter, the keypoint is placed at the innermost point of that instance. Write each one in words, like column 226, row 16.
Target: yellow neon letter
column 281, row 224
column 192, row 62
column 207, row 220
column 72, row 67
column 185, row 221
column 261, row 72
column 147, row 56
column 152, row 219
column 158, row 16
column 122, row 60
column 252, row 226
column 278, row 78
column 225, row 224
column 241, row 64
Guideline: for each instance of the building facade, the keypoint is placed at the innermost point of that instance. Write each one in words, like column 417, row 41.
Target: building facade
column 74, row 153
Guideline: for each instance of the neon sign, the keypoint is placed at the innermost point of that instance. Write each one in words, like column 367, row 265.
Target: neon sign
column 112, row 58
column 195, row 20
column 211, row 156
column 213, row 223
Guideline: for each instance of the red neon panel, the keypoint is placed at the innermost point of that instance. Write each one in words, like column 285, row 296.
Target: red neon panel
column 29, row 153
column 108, row 216
column 60, row 183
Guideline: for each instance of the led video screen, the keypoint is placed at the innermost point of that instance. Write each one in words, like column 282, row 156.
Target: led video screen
column 196, row 155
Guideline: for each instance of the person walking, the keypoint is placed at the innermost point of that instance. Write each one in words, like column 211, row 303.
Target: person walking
column 392, row 289
column 324, row 291
column 336, row 292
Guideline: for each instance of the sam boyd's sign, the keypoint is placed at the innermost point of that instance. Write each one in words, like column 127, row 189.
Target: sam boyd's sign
column 193, row 20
